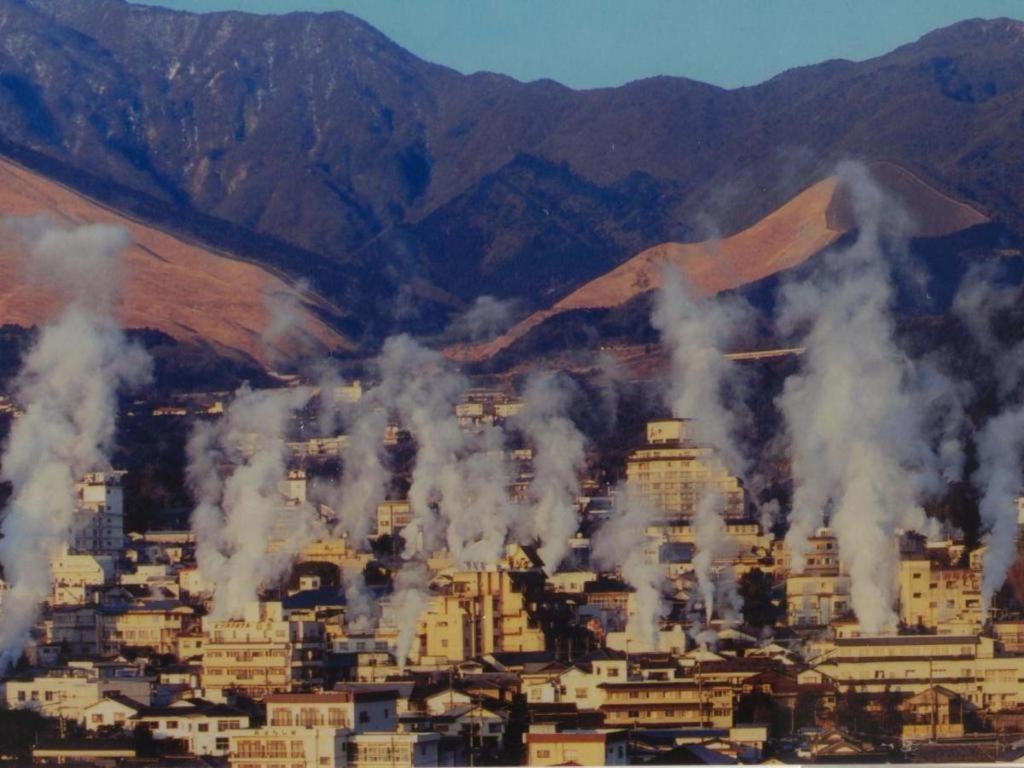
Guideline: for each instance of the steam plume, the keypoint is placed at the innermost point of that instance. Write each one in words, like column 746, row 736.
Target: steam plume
column 711, row 543
column 486, row 318
column 360, row 607
column 408, row 602
column 236, row 468
column 365, row 479
column 67, row 388
column 458, row 494
column 558, row 458
column 619, row 543
column 1000, row 443
column 980, row 302
column 859, row 435
column 697, row 333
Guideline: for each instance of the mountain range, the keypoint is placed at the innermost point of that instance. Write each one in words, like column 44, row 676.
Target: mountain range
column 400, row 191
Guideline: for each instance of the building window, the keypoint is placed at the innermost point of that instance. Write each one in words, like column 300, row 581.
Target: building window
column 203, row 727
column 543, row 753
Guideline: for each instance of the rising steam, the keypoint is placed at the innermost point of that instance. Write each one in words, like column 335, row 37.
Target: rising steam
column 697, row 333
column 558, row 458
column 236, row 468
column 855, row 414
column 67, row 388
column 619, row 543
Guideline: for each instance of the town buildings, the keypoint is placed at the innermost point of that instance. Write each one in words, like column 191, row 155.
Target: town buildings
column 514, row 661
column 262, row 653
column 98, row 527
column 672, row 472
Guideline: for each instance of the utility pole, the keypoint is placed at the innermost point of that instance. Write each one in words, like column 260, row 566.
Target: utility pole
column 935, row 699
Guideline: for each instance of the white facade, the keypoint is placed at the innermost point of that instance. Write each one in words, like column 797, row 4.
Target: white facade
column 207, row 730
column 98, row 527
column 108, row 713
column 358, row 711
column 72, row 575
column 68, row 695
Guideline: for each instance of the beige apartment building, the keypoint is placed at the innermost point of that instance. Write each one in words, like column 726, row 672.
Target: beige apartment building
column 392, row 517
column 933, row 594
column 329, row 747
column 478, row 612
column 667, row 704
column 672, row 472
column 934, row 713
column 96, row 630
column 289, row 747
column 821, row 593
column 261, row 653
column 546, row 746
column 393, row 750
column 72, row 577
column 318, row 447
column 814, row 599
column 968, row 665
column 153, row 625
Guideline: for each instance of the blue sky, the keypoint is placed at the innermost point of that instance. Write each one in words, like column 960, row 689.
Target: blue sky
column 593, row 43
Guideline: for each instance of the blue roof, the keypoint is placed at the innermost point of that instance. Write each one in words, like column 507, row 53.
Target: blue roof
column 323, row 597
column 676, row 552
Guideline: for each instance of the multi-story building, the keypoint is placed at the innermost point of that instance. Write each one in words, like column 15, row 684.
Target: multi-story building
column 672, row 472
column 357, row 709
column 73, row 577
column 318, row 447
column 153, row 624
column 393, row 750
column 934, row 594
column 934, row 713
column 1009, row 634
column 392, row 517
column 667, row 704
column 261, row 653
column 821, row 593
column 103, row 630
column 968, row 665
column 293, row 747
column 302, row 746
column 672, row 544
column 67, row 692
column 98, row 527
column 205, row 727
column 483, row 407
column 478, row 612
column 547, row 746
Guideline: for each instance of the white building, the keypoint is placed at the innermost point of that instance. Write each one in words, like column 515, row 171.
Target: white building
column 68, row 692
column 262, row 653
column 99, row 514
column 72, row 576
column 359, row 710
column 204, row 726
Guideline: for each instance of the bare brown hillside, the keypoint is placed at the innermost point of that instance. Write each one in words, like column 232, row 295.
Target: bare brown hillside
column 788, row 236
column 180, row 288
